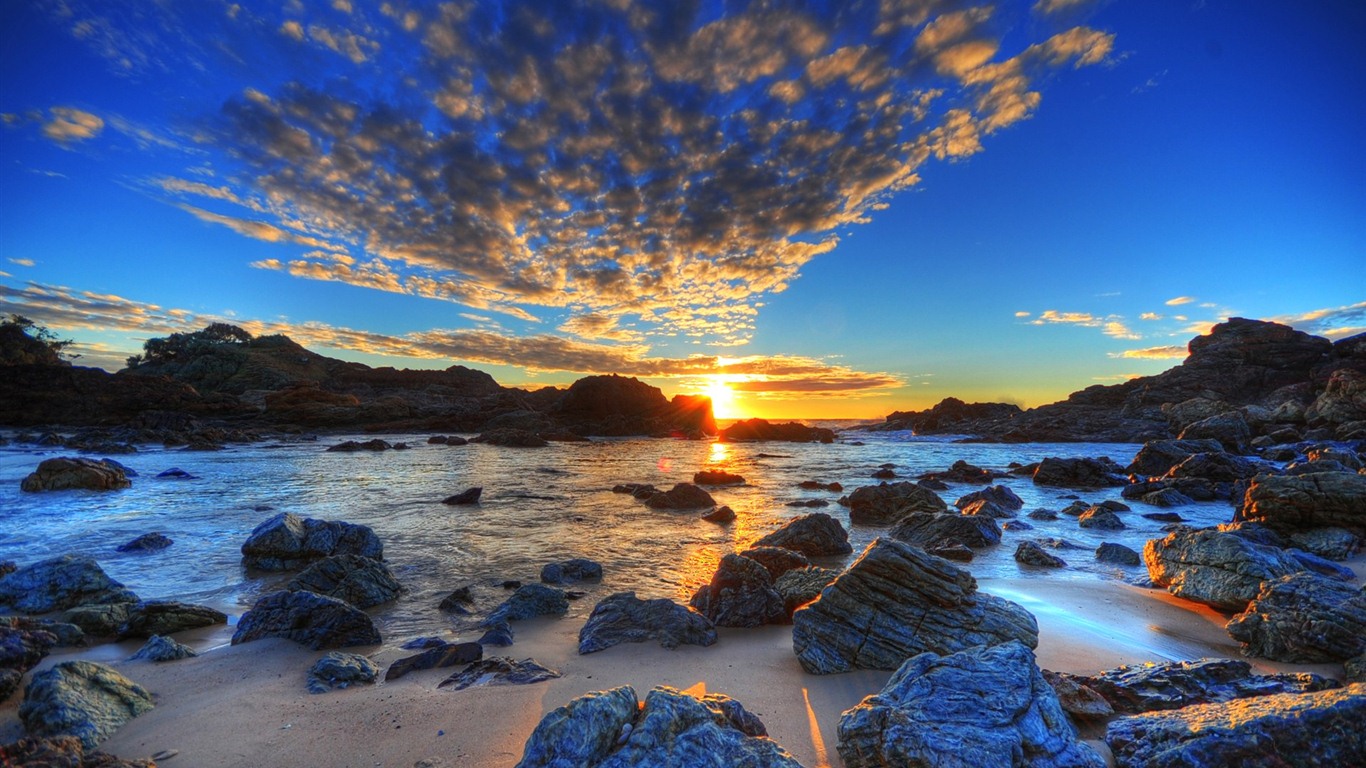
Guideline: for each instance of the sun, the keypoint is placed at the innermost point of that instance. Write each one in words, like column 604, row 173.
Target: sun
column 723, row 400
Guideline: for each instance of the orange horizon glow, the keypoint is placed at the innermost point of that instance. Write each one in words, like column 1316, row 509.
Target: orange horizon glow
column 725, row 402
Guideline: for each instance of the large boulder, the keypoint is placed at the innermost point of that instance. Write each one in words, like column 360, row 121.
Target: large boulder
column 1150, row 687
column 800, row 586
column 1217, row 467
column 885, row 503
column 315, row 621
column 361, row 581
column 895, row 601
column 777, row 560
column 83, row 699
column 813, row 535
column 1077, row 473
column 937, row 531
column 1298, row 502
column 166, row 617
column 67, row 473
column 611, row 729
column 740, row 594
column 529, row 601
column 58, row 583
column 1343, row 399
column 1221, row 570
column 624, row 618
column 287, row 541
column 1230, row 429
column 1289, row 729
column 1303, row 618
column 681, row 496
column 1157, row 457
column 983, row 706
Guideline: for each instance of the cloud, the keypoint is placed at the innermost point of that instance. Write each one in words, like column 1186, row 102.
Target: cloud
column 1179, row 300
column 1152, row 353
column 68, row 125
column 1150, row 316
column 22, row 262
column 1331, row 322
column 1049, row 7
column 1068, row 318
column 1023, row 314
column 1118, row 330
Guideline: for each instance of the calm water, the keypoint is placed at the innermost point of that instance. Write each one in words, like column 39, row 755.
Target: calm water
column 539, row 505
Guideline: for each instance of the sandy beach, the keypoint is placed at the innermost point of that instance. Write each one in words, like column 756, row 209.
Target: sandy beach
column 248, row 706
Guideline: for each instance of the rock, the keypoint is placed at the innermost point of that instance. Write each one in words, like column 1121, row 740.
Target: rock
column 1219, row 569
column 1100, row 519
column 1016, row 525
column 175, row 473
column 681, row 496
column 883, row 474
column 800, row 586
column 1077, row 473
column 351, row 446
column 1303, row 618
column 166, row 617
column 1230, row 429
column 716, row 477
column 467, row 496
column 936, row 531
column 816, row 485
column 963, row 472
column 531, row 600
column 287, row 541
column 1217, row 467
column 444, row 655
column 311, row 620
column 1166, row 497
column 512, row 438
column 636, row 490
column 740, row 594
column 1042, row 514
column 1355, row 669
column 1171, row 685
column 1298, row 503
column 341, row 670
column 1332, row 543
column 610, row 729
column 1077, row 699
column 20, row 651
column 99, row 620
column 1117, row 554
column 949, row 416
column 955, row 552
column 997, row 494
column 809, row 503
column 776, row 560
column 1157, row 457
column 983, row 706
column 988, row 508
column 61, row 752
column 458, row 601
column 576, row 569
column 1029, row 553
column 813, row 535
column 791, row 432
column 886, row 503
column 1318, row 729
column 69, row 472
column 147, row 542
column 360, row 581
column 83, row 699
column 499, row 670
column 159, row 648
column 895, row 601
column 1314, row 563
column 499, row 633
column 720, row 515
column 58, row 583
column 622, row 618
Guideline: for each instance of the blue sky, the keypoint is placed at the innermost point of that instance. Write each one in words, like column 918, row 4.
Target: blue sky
column 837, row 209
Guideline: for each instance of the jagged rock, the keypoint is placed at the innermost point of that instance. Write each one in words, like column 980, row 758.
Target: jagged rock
column 1172, row 685
column 800, row 586
column 816, row 485
column 1321, row 566
column 1297, row 503
column 1077, row 699
column 716, row 477
column 1229, row 429
column 312, row 620
column 983, row 706
column 949, row 416
column 166, row 617
column 361, row 581
column 610, row 729
column 444, row 655
column 938, row 531
column 20, row 651
column 351, row 446
column 158, row 648
column 1157, row 457
column 720, row 515
column 813, row 535
column 955, row 552
column 60, row 582
column 623, row 618
column 531, row 600
column 895, row 601
column 499, row 670
column 1308, row 729
column 1219, row 569
column 512, row 438
column 886, row 503
column 791, row 432
column 1029, row 553
column 83, row 699
column 740, row 594
column 499, row 633
column 99, row 620
column 287, row 541
column 681, row 496
column 61, row 752
column 963, row 472
column 997, row 494
column 1331, row 543
column 988, row 508
column 147, row 542
column 1117, row 554
column 1100, row 519
column 1217, row 467
column 1077, row 473
column 1166, row 497
column 776, row 560
column 69, row 472
column 458, row 601
column 1303, row 618
column 341, row 670
column 465, row 497
column 1355, row 669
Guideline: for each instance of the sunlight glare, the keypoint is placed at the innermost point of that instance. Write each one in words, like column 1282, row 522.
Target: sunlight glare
column 723, row 400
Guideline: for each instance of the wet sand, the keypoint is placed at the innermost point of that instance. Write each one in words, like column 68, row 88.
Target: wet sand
column 248, row 705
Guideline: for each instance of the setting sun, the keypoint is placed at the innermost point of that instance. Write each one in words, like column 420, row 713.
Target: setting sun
column 723, row 400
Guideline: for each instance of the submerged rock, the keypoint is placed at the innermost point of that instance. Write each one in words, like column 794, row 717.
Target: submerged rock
column 288, row 541
column 465, row 497
column 83, row 699
column 1303, row 618
column 983, row 706
column 887, row 502
column 1221, row 570
column 311, row 620
column 813, row 535
column 69, row 473
column 624, row 618
column 1176, row 684
column 499, row 670
column 147, row 542
column 895, row 601
column 361, row 581
column 681, row 496
column 60, row 582
column 740, row 594
column 936, row 531
column 341, row 670
column 351, row 446
column 512, row 438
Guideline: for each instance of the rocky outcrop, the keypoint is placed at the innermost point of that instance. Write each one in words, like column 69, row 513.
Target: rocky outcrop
column 1303, row 618
column 790, row 432
column 896, row 601
column 1300, row 502
column 83, row 699
column 886, row 503
column 618, row 405
column 509, row 437
column 1221, row 570
column 60, row 582
column 949, row 416
column 813, row 535
column 1169, row 685
column 361, row 581
column 68, row 473
column 341, row 670
column 980, row 706
column 499, row 670
column 1320, row 728
column 681, row 496
column 287, row 541
column 624, row 618
column 1157, row 457
column 311, row 620
column 939, row 531
column 740, row 594
column 1229, row 429
column 1077, row 473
